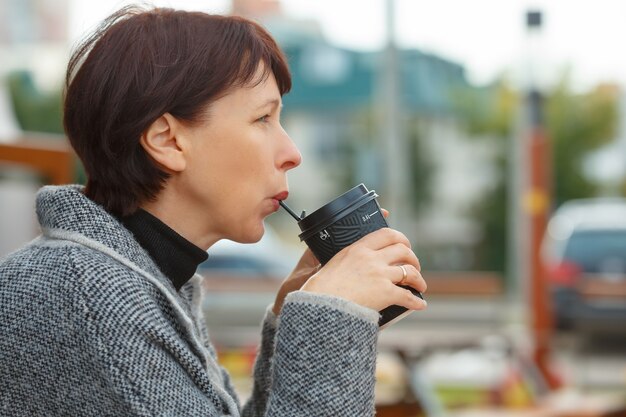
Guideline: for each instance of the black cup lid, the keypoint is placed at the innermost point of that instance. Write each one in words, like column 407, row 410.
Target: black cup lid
column 331, row 211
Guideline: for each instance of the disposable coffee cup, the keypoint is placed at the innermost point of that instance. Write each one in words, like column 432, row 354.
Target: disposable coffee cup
column 342, row 222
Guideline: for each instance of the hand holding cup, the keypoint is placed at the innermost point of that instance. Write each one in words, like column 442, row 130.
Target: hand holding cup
column 343, row 223
column 368, row 273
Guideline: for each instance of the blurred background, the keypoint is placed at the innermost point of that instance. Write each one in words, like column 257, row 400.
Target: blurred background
column 493, row 131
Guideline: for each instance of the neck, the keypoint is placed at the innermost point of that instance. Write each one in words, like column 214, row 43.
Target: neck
column 176, row 257
column 183, row 219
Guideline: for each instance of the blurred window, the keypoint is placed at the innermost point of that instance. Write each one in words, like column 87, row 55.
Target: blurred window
column 324, row 65
column 598, row 251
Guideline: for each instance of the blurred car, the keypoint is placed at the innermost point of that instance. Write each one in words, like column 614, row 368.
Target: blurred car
column 585, row 252
column 268, row 258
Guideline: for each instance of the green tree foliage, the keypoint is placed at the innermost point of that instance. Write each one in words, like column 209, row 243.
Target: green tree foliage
column 367, row 142
column 576, row 124
column 35, row 111
column 491, row 211
column 420, row 169
column 488, row 113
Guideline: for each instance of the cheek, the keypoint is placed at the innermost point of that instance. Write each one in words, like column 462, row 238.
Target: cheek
column 249, row 162
column 232, row 161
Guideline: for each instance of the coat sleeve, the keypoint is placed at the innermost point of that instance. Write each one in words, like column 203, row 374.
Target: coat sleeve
column 323, row 362
column 256, row 406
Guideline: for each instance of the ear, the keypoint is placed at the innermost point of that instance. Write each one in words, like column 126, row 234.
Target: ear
column 161, row 142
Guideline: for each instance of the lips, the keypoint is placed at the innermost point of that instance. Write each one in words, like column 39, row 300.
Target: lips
column 281, row 196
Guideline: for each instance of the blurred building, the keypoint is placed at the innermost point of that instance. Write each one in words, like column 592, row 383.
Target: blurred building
column 331, row 112
column 607, row 165
column 34, row 36
column 29, row 21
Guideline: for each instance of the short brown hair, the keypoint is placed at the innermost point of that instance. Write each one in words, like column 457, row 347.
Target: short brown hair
column 140, row 64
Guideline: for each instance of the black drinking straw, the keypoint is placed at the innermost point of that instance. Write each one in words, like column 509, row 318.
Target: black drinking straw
column 294, row 215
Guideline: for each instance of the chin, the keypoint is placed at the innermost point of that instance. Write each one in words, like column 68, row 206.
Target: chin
column 251, row 235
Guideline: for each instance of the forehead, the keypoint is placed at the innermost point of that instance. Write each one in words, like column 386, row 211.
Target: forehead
column 255, row 94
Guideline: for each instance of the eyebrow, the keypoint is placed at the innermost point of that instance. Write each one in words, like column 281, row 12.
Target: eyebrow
column 273, row 101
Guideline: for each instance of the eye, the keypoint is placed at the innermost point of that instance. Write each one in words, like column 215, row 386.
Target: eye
column 263, row 119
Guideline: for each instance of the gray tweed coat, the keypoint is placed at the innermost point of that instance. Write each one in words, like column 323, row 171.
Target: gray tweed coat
column 90, row 326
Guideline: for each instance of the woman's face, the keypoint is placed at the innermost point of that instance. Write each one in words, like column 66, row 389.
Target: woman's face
column 238, row 161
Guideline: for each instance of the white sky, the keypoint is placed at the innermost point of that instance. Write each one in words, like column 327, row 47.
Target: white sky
column 487, row 36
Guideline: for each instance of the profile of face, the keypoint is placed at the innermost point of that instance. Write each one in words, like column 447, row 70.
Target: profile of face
column 236, row 162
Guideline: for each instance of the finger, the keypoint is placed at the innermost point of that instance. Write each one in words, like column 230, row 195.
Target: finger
column 385, row 212
column 414, row 278
column 384, row 237
column 306, row 261
column 407, row 299
column 309, row 257
column 399, row 254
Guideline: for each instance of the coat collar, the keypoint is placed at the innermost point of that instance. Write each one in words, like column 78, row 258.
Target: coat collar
column 66, row 208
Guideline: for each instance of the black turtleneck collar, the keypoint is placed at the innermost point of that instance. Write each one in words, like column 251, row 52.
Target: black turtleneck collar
column 175, row 256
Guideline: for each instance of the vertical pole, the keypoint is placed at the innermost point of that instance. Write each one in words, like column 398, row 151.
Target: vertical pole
column 392, row 132
column 517, row 268
column 537, row 206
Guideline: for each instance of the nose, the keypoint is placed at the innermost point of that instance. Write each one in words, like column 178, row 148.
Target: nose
column 289, row 156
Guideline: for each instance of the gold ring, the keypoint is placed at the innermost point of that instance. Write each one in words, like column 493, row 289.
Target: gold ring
column 404, row 274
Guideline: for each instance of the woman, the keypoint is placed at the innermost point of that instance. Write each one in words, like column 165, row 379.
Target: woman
column 175, row 116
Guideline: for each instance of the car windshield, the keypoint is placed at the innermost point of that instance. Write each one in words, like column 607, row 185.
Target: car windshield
column 598, row 251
